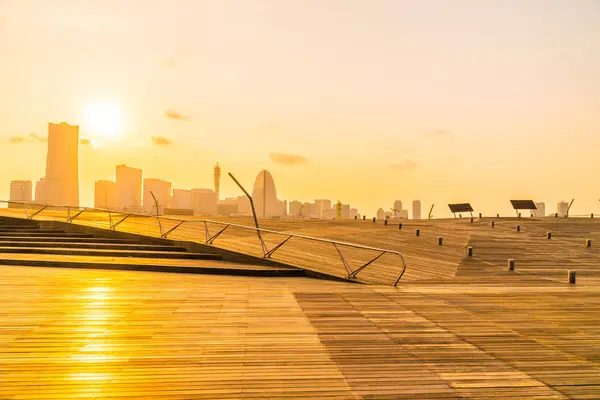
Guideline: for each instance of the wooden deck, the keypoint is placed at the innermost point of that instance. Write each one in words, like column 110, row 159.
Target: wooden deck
column 69, row 333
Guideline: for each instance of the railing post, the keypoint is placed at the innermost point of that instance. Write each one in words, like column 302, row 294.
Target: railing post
column 262, row 243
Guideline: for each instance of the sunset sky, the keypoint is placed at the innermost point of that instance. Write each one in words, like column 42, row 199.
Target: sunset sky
column 364, row 101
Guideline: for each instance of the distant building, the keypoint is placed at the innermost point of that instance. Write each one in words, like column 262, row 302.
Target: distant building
column 264, row 196
column 312, row 210
column 541, row 210
column 61, row 183
column 244, row 206
column 204, row 202
column 403, row 214
column 129, row 187
column 295, row 208
column 217, row 177
column 416, row 209
column 353, row 213
column 105, row 195
column 182, row 199
column 162, row 192
column 562, row 209
column 345, row 211
column 39, row 190
column 321, row 205
column 397, row 208
column 20, row 191
column 381, row 213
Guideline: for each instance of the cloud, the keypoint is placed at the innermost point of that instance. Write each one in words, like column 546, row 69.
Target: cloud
column 405, row 166
column 175, row 115
column 440, row 134
column 287, row 159
column 31, row 138
column 85, row 141
column 161, row 141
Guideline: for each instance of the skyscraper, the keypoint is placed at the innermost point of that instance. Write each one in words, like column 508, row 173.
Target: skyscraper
column 217, row 176
column 204, row 202
column 416, row 209
column 322, row 206
column 105, row 195
column 541, row 210
column 162, row 192
column 61, row 185
column 20, row 191
column 129, row 187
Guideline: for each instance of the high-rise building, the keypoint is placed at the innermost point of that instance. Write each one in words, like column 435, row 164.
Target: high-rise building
column 562, row 209
column 20, row 191
column 345, row 211
column 217, row 176
column 204, row 202
column 416, row 209
column 105, row 195
column 295, row 208
column 264, row 196
column 397, row 208
column 39, row 190
column 322, row 205
column 381, row 213
column 162, row 192
column 244, row 206
column 61, row 185
column 129, row 187
column 540, row 211
column 182, row 199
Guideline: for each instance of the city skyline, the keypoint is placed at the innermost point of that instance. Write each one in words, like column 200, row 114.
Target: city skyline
column 429, row 105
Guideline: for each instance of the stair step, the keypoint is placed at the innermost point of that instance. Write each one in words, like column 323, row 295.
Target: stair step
column 181, row 266
column 91, row 245
column 45, row 239
column 111, row 253
column 61, row 234
column 30, row 230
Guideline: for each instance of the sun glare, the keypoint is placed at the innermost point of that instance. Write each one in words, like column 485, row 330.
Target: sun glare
column 103, row 120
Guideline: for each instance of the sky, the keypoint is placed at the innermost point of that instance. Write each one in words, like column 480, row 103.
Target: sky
column 365, row 101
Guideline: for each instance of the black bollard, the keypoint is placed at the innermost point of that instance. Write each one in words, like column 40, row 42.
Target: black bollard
column 418, row 232
column 511, row 264
column 440, row 241
column 400, row 226
column 549, row 235
column 385, row 222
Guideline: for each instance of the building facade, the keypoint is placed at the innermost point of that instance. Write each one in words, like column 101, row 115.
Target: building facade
column 204, row 202
column 416, row 209
column 562, row 209
column 182, row 199
column 20, row 191
column 61, row 184
column 540, row 211
column 129, row 187
column 162, row 192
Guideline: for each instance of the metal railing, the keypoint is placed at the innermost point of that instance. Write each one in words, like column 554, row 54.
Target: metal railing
column 117, row 217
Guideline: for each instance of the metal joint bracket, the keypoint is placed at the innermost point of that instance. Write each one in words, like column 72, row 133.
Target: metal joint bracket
column 114, row 226
column 216, row 235
column 348, row 269
column 164, row 236
column 353, row 274
column 274, row 249
column 37, row 212
column 71, row 219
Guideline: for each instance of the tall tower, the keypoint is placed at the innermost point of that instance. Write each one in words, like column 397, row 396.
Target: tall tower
column 61, row 185
column 217, row 175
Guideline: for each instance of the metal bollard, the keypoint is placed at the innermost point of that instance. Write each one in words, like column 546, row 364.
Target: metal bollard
column 519, row 215
column 374, row 219
column 356, row 217
column 549, row 235
column 497, row 215
column 588, row 243
column 469, row 251
column 572, row 276
column 418, row 232
column 511, row 264
column 471, row 219
column 479, row 215
column 385, row 222
column 364, row 217
column 440, row 240
column 492, row 224
column 518, row 228
column 400, row 226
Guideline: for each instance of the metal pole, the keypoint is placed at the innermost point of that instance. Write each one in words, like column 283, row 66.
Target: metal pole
column 262, row 243
column 568, row 208
column 157, row 213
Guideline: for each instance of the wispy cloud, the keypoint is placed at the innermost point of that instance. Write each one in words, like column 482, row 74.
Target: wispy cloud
column 287, row 159
column 440, row 134
column 175, row 115
column 85, row 141
column 161, row 141
column 405, row 166
column 31, row 138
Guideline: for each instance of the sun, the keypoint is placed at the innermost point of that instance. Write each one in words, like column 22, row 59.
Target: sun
column 103, row 120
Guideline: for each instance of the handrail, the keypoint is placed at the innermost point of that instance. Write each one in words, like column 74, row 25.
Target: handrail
column 210, row 240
